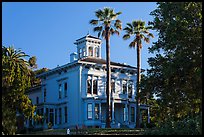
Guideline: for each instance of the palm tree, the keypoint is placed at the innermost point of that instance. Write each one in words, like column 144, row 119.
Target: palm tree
column 107, row 24
column 138, row 30
column 13, row 61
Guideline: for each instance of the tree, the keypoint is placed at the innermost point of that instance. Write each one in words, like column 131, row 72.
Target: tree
column 175, row 73
column 107, row 24
column 138, row 30
column 15, row 80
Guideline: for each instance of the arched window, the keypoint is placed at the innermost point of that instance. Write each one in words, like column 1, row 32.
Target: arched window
column 96, row 52
column 80, row 53
column 84, row 52
column 90, row 51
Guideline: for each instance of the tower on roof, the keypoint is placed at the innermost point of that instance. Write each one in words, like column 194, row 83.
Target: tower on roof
column 88, row 46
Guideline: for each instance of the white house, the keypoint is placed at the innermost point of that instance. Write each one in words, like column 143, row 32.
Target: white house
column 74, row 94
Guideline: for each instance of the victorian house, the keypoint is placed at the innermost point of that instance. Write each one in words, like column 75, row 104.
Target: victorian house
column 74, row 94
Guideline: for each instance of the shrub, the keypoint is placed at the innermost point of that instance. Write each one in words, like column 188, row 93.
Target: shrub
column 187, row 126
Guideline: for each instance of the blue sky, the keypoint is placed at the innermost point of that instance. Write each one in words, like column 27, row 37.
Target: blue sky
column 48, row 30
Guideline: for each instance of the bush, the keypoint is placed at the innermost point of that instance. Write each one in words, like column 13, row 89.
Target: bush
column 187, row 126
column 49, row 125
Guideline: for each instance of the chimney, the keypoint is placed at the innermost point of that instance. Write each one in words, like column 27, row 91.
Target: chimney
column 73, row 57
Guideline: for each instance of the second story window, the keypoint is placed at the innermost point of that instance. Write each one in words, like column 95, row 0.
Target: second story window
column 95, row 86
column 89, row 86
column 65, row 89
column 45, row 94
column 124, row 86
column 60, row 91
column 130, row 85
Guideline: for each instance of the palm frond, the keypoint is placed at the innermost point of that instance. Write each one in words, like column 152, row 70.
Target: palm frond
column 150, row 35
column 99, row 14
column 146, row 39
column 118, row 13
column 103, row 33
column 93, row 22
column 98, row 29
column 126, row 36
column 132, row 44
column 128, row 30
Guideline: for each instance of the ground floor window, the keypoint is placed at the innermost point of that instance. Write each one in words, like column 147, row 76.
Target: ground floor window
column 96, row 111
column 89, row 108
column 55, row 116
column 60, row 115
column 65, row 114
column 132, row 114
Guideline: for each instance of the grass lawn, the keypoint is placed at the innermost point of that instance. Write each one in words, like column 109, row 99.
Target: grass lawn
column 91, row 131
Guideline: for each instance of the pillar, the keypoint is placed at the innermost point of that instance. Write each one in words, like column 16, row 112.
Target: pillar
column 113, row 119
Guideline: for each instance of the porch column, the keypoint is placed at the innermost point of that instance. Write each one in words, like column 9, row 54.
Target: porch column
column 113, row 119
column 148, row 115
column 100, row 111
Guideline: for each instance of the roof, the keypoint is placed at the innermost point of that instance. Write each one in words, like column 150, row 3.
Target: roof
column 88, row 36
column 102, row 61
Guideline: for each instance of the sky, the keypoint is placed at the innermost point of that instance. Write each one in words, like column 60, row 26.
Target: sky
column 48, row 30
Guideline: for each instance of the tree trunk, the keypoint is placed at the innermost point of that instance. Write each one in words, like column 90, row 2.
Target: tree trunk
column 138, row 89
column 108, row 82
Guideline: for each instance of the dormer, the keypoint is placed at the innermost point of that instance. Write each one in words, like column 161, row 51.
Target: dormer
column 88, row 46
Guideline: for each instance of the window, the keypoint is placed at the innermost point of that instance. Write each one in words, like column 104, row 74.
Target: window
column 96, row 52
column 60, row 91
column 60, row 115
column 47, row 111
column 124, row 86
column 132, row 114
column 84, row 52
column 65, row 114
column 90, row 51
column 130, row 89
column 96, row 111
column 80, row 53
column 65, row 89
column 45, row 94
column 55, row 116
column 89, row 111
column 51, row 116
column 95, row 86
column 89, row 86
column 37, row 100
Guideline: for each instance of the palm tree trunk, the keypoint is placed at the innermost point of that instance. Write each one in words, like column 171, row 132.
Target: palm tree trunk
column 108, row 82
column 138, row 89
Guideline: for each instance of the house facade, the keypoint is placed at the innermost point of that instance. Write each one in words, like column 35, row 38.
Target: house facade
column 75, row 94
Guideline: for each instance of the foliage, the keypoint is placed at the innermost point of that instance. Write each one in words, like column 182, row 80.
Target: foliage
column 15, row 80
column 34, row 80
column 49, row 125
column 187, row 126
column 174, row 76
